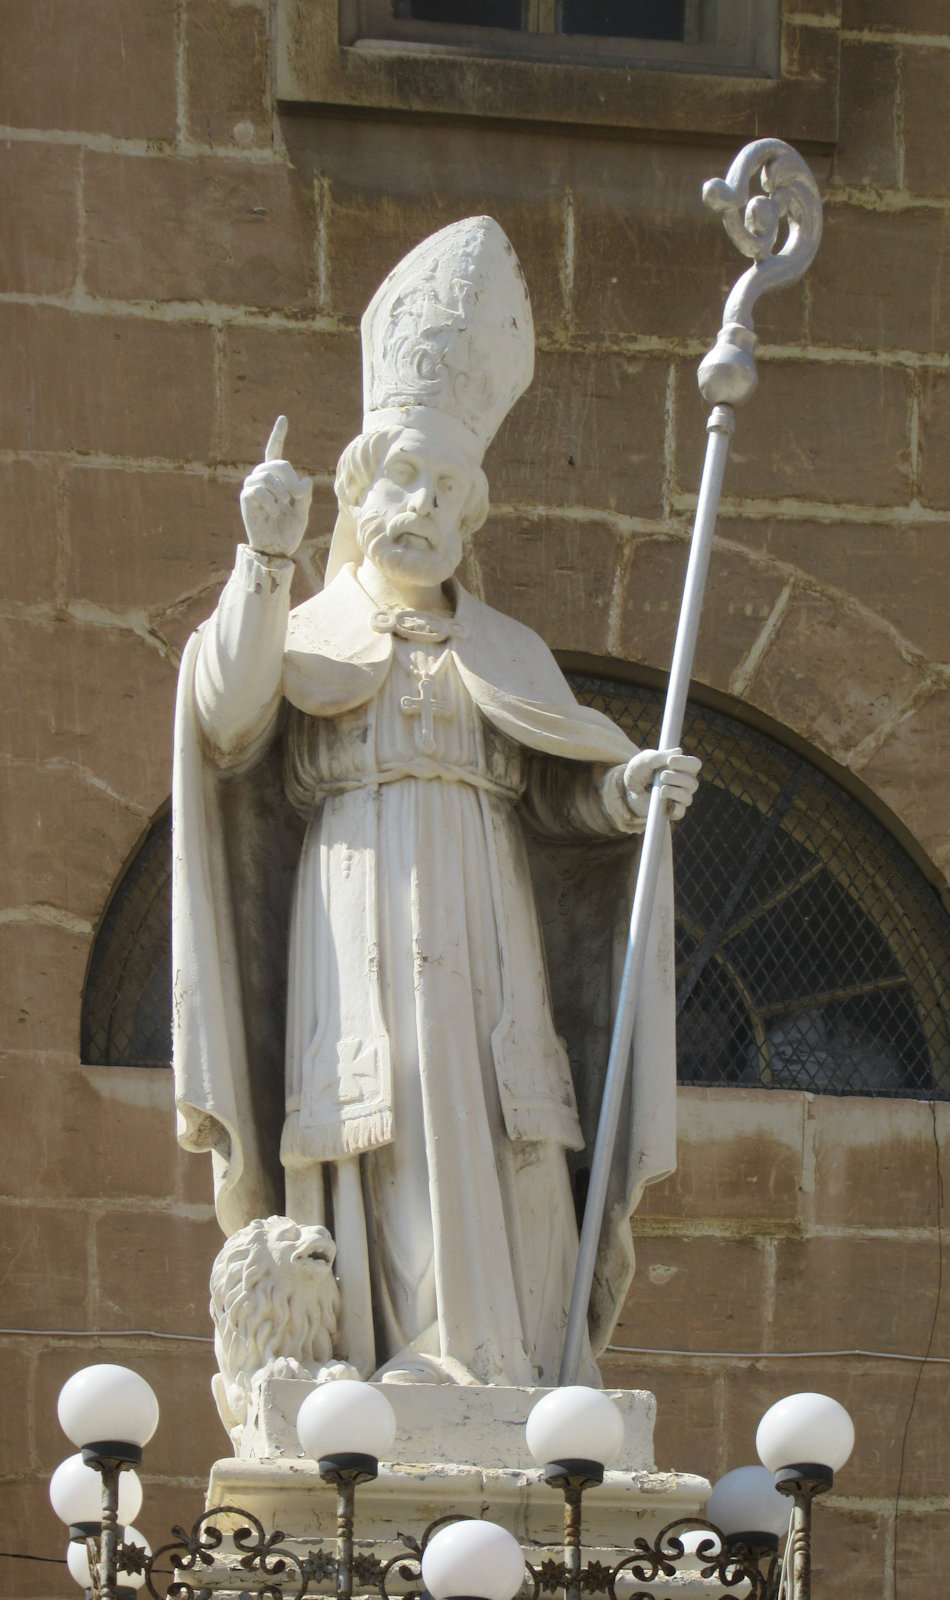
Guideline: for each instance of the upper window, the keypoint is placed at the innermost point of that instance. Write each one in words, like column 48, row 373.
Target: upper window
column 735, row 68
column 811, row 952
column 686, row 35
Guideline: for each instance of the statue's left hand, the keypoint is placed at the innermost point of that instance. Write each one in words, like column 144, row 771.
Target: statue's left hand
column 275, row 501
column 679, row 780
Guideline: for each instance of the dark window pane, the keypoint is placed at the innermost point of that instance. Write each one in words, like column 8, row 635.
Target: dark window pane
column 473, row 13
column 624, row 19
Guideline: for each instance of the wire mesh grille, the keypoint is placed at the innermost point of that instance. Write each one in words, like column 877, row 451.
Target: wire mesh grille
column 811, row 952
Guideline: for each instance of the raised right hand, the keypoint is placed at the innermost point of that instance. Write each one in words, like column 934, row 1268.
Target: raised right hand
column 275, row 502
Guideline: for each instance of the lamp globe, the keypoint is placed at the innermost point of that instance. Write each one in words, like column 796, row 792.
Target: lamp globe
column 476, row 1559
column 575, row 1424
column 107, row 1402
column 805, row 1429
column 75, row 1493
column 77, row 1560
column 346, row 1418
column 746, row 1502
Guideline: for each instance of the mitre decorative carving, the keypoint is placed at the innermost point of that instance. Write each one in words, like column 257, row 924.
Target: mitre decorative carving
column 448, row 338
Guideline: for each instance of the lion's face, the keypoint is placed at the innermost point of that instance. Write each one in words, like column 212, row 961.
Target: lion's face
column 303, row 1250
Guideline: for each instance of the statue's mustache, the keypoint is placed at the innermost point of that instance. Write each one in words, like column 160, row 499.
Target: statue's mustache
column 371, row 524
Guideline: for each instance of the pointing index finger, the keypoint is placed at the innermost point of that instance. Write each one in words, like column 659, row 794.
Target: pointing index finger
column 274, row 449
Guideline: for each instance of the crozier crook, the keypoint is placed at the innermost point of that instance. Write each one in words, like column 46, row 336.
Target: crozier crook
column 727, row 378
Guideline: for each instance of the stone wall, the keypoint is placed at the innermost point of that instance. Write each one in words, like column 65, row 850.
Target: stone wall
column 180, row 262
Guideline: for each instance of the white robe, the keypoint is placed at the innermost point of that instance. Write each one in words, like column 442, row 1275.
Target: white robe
column 422, row 1063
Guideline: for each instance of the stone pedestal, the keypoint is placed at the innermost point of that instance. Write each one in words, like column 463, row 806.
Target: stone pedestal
column 457, row 1450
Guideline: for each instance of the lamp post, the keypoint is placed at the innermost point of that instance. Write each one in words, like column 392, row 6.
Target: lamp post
column 574, row 1434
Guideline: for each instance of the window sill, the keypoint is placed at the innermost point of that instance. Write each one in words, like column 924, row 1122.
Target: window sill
column 313, row 68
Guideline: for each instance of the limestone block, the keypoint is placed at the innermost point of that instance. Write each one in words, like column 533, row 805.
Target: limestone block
column 29, row 560
column 44, row 964
column 131, row 93
column 313, row 378
column 63, row 838
column 44, row 1266
column 555, row 575
column 899, row 572
column 925, row 80
column 739, row 1155
column 815, row 431
column 892, row 16
column 239, row 233
column 570, row 442
column 138, row 1250
column 75, row 382
column 894, row 772
column 868, row 151
column 38, row 218
column 934, row 465
column 850, row 1549
column 848, row 1292
column 15, row 1371
column 831, row 676
column 882, row 1150
column 702, row 1293
column 881, row 278
column 740, row 596
column 227, row 75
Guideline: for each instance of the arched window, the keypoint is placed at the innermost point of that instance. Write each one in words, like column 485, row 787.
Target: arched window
column 811, row 951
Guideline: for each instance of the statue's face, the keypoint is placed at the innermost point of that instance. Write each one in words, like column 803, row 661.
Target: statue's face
column 408, row 523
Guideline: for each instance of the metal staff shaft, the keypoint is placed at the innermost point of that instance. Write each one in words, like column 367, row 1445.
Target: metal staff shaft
column 727, row 377
column 720, row 427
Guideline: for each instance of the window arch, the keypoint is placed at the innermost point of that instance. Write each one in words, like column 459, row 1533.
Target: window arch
column 811, row 952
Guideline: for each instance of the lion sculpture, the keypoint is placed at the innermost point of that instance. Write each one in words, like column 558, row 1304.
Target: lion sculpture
column 274, row 1303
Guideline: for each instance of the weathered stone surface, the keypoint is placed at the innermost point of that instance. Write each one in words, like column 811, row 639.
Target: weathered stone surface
column 868, row 151
column 63, row 838
column 16, row 1366
column 881, row 1150
column 557, row 576
column 146, row 539
column 847, row 1292
column 227, row 69
column 895, row 16
column 688, row 1433
column 415, row 188
column 44, row 1266
column 925, row 80
column 740, row 596
column 96, row 689
column 39, row 212
column 901, row 572
column 29, row 557
column 569, row 441
column 933, row 456
column 830, row 675
column 822, row 431
column 881, row 280
column 909, row 772
column 131, row 92
column 921, row 1546
column 314, row 379
column 30, row 1525
column 649, row 257
column 851, row 1550
column 700, row 1293
column 138, row 1250
column 739, row 1155
column 239, row 233
column 44, row 966
column 107, row 385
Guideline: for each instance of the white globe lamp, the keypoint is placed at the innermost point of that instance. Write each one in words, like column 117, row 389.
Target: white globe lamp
column 575, row 1432
column 77, row 1560
column 347, row 1427
column 75, row 1493
column 748, row 1508
column 108, row 1411
column 479, row 1560
column 805, row 1437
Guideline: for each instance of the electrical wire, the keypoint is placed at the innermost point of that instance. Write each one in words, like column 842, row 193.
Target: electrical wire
column 106, row 1333
column 774, row 1355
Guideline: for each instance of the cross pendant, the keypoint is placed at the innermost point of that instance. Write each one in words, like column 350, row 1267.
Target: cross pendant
column 426, row 708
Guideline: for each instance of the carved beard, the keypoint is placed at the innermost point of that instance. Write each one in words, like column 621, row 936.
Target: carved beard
column 377, row 536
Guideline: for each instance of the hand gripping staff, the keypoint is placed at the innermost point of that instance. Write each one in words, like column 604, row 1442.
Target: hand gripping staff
column 727, row 378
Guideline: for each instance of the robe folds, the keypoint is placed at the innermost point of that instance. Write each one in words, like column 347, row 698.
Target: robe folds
column 419, row 1033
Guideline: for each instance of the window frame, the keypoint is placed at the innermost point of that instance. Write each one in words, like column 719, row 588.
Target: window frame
column 316, row 66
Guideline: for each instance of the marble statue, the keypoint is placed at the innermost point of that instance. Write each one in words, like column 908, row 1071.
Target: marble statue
column 364, row 1035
